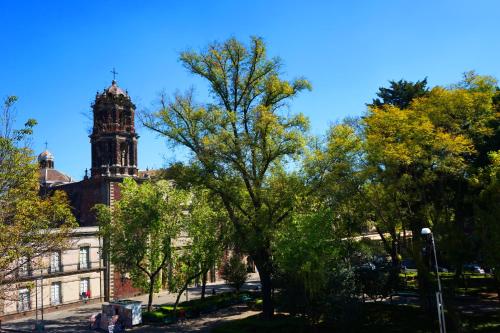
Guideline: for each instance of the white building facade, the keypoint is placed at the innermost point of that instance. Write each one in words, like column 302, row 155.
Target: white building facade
column 75, row 275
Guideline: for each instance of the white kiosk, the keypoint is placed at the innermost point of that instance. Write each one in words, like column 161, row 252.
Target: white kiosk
column 126, row 313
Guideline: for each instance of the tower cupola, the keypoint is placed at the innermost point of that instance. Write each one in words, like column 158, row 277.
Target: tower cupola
column 113, row 138
column 46, row 160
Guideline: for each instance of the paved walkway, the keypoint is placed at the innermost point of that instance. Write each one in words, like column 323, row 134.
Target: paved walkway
column 76, row 319
column 202, row 324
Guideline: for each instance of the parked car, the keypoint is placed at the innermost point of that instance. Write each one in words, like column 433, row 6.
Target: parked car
column 408, row 265
column 367, row 266
column 473, row 268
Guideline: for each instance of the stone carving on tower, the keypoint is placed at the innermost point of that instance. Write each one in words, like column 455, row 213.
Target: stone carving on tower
column 113, row 138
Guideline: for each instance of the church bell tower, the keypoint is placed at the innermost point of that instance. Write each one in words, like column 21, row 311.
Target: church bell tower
column 113, row 138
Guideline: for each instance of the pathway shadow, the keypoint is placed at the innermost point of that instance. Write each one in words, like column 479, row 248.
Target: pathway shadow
column 69, row 324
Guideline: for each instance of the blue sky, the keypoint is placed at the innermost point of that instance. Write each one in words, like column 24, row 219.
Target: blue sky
column 56, row 55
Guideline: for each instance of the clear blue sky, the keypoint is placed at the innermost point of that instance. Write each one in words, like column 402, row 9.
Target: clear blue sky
column 55, row 55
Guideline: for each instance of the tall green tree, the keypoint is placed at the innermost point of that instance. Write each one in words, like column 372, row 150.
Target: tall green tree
column 239, row 139
column 141, row 228
column 386, row 202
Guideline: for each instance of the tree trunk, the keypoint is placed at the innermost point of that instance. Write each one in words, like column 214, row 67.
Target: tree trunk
column 423, row 277
column 390, row 247
column 152, row 277
column 151, row 291
column 268, row 306
column 395, row 252
column 204, row 284
column 393, row 282
column 496, row 281
column 184, row 287
column 264, row 265
column 459, row 274
column 179, row 296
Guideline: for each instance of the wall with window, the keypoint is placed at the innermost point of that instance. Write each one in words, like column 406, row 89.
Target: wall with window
column 63, row 273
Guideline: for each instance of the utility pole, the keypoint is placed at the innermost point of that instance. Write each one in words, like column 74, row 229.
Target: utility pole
column 36, row 301
column 39, row 326
column 439, row 294
column 41, row 290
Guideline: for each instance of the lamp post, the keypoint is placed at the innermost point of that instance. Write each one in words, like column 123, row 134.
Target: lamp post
column 41, row 291
column 39, row 326
column 439, row 294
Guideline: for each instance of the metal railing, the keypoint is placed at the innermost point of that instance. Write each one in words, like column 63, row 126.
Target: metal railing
column 84, row 265
column 55, row 269
column 19, row 275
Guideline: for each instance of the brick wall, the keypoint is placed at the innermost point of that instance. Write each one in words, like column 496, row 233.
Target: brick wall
column 123, row 286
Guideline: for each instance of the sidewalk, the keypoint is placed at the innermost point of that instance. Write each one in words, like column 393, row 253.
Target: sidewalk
column 201, row 324
column 77, row 319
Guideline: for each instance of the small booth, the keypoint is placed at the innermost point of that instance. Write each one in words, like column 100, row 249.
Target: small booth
column 122, row 313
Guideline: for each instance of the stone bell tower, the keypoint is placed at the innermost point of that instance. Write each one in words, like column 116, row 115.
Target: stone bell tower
column 113, row 138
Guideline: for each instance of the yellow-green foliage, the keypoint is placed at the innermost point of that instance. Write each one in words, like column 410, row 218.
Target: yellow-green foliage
column 30, row 226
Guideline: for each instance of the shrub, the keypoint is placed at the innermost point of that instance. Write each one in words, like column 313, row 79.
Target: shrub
column 234, row 272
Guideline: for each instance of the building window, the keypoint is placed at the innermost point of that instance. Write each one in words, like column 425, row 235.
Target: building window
column 24, row 303
column 55, row 293
column 85, row 288
column 24, row 268
column 55, row 262
column 84, row 258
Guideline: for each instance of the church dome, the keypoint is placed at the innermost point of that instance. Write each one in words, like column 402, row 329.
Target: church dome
column 45, row 156
column 48, row 175
column 113, row 89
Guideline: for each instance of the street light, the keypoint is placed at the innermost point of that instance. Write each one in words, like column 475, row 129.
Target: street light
column 39, row 326
column 439, row 295
column 426, row 231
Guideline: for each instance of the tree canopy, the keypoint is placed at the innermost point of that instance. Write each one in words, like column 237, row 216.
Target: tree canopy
column 400, row 93
column 241, row 140
column 141, row 228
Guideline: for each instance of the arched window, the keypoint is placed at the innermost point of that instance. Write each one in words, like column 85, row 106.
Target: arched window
column 123, row 154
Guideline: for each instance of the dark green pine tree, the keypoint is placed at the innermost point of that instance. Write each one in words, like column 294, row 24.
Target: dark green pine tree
column 400, row 93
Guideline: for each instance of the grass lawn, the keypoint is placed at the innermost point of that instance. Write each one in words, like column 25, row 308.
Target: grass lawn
column 470, row 284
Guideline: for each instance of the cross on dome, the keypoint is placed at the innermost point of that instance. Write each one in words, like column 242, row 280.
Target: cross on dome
column 114, row 72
